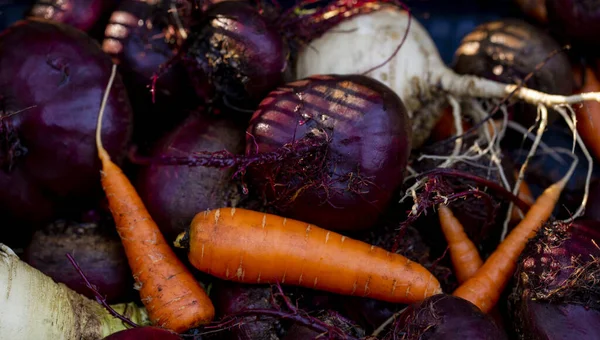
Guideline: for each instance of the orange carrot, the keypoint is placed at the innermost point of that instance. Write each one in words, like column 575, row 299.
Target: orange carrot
column 484, row 288
column 463, row 252
column 588, row 113
column 252, row 247
column 172, row 296
column 524, row 194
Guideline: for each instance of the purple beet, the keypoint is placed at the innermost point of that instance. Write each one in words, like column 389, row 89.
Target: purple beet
column 81, row 14
column 347, row 186
column 98, row 251
column 54, row 77
column 175, row 194
column 230, row 298
column 146, row 333
column 508, row 50
column 140, row 50
column 236, row 55
column 556, row 295
column 445, row 317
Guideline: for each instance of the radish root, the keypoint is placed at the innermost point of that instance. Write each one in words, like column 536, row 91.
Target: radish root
column 33, row 306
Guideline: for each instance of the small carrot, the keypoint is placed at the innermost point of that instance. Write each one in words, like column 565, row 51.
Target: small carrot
column 252, row 247
column 171, row 295
column 525, row 195
column 588, row 113
column 484, row 288
column 463, row 252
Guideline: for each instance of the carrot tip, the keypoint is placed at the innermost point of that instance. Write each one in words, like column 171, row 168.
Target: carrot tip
column 182, row 240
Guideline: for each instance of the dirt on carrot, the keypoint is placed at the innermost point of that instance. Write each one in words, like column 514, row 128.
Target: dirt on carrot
column 170, row 293
column 588, row 113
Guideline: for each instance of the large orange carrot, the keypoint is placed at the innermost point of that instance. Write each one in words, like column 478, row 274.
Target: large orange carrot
column 463, row 252
column 173, row 298
column 252, row 247
column 588, row 113
column 484, row 288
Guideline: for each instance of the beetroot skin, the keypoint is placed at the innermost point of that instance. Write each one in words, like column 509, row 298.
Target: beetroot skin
column 235, row 54
column 557, row 294
column 175, row 194
column 446, row 317
column 57, row 75
column 146, row 333
column 348, row 185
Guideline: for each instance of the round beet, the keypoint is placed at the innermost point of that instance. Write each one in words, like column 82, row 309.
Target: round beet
column 140, row 37
column 508, row 50
column 175, row 194
column 446, row 317
column 146, row 333
column 347, row 186
column 230, row 298
column 97, row 250
column 557, row 284
column 577, row 20
column 235, row 54
column 81, row 14
column 53, row 78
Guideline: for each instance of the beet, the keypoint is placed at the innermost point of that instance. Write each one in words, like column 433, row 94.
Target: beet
column 175, row 194
column 507, row 50
column 577, row 20
column 349, row 185
column 146, row 333
column 140, row 50
column 557, row 285
column 98, row 251
column 235, row 54
column 81, row 14
column 57, row 76
column 229, row 298
column 446, row 317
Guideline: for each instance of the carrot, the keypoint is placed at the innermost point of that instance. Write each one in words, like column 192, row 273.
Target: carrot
column 484, row 288
column 172, row 296
column 463, row 252
column 252, row 247
column 524, row 194
column 588, row 114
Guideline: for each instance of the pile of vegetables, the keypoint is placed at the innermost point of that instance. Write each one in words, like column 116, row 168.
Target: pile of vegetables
column 179, row 169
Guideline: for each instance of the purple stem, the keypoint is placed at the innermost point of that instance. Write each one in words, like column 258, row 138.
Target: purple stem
column 99, row 298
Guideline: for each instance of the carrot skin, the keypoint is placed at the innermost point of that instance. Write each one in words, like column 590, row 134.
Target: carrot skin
column 170, row 293
column 252, row 247
column 463, row 252
column 485, row 287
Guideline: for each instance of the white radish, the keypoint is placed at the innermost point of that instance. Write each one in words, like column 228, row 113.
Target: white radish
column 416, row 73
column 33, row 306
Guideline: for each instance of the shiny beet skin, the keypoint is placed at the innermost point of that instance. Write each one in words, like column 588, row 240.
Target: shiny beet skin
column 52, row 79
column 348, row 185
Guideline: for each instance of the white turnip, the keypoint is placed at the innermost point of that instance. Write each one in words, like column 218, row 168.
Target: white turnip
column 385, row 43
column 33, row 306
